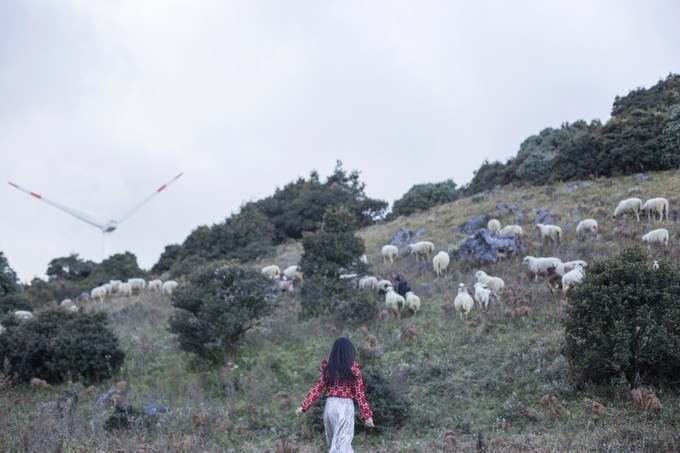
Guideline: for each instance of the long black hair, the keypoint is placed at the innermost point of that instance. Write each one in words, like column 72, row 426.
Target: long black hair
column 339, row 368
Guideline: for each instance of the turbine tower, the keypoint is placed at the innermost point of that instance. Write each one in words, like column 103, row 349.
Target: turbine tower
column 106, row 227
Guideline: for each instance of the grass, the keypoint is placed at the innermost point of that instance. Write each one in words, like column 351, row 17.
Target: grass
column 474, row 380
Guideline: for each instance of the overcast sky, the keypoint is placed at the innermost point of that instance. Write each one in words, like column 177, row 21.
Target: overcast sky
column 101, row 102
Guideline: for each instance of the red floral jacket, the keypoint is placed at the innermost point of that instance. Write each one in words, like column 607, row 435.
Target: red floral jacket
column 345, row 390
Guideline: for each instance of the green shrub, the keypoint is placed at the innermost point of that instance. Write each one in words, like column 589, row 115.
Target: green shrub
column 357, row 308
column 220, row 303
column 13, row 302
column 624, row 320
column 57, row 345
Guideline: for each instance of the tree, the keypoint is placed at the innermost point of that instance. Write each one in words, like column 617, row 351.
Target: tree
column 624, row 320
column 69, row 268
column 328, row 253
column 8, row 278
column 58, row 345
column 425, row 196
column 120, row 266
column 221, row 302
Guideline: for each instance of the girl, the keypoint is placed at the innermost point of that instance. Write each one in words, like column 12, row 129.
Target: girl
column 341, row 376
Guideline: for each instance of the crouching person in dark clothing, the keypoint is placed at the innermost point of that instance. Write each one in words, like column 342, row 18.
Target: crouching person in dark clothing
column 402, row 286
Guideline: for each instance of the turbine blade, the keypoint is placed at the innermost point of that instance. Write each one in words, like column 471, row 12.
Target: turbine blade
column 71, row 211
column 136, row 207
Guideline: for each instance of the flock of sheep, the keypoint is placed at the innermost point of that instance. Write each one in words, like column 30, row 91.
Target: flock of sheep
column 100, row 293
column 560, row 276
column 130, row 286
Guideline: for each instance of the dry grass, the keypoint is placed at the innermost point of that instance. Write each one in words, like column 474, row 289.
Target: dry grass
column 496, row 383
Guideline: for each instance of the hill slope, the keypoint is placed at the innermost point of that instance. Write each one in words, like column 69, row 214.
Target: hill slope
column 477, row 379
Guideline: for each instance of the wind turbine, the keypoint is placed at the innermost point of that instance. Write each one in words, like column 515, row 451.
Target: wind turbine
column 106, row 227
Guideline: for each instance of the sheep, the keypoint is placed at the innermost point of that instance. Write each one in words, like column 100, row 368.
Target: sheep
column 285, row 286
column 440, row 262
column 169, row 287
column 654, row 206
column 422, row 249
column 363, row 258
column 512, row 229
column 539, row 266
column 125, row 289
column 272, row 271
column 2, row 329
column 573, row 277
column 494, row 225
column 494, row 283
column 369, row 283
column 68, row 305
column 463, row 302
column 389, row 252
column 586, row 226
column 412, row 302
column 23, row 314
column 394, row 302
column 567, row 266
column 115, row 285
column 383, row 285
column 293, row 272
column 552, row 233
column 155, row 285
column 98, row 293
column 137, row 284
column 483, row 295
column 659, row 236
column 633, row 205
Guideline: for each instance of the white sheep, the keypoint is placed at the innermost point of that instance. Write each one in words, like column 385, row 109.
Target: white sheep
column 115, row 284
column 586, row 226
column 272, row 271
column 293, row 272
column 412, row 302
column 463, row 302
column 155, row 285
column 389, row 252
column 655, row 206
column 659, row 236
column 394, row 302
column 512, row 229
column 563, row 268
column 483, row 295
column 68, row 305
column 629, row 205
column 494, row 225
column 369, row 283
column 98, row 293
column 137, row 284
column 2, row 329
column 422, row 249
column 552, row 233
column 383, row 285
column 125, row 289
column 169, row 287
column 573, row 277
column 23, row 314
column 440, row 262
column 495, row 283
column 285, row 286
column 539, row 266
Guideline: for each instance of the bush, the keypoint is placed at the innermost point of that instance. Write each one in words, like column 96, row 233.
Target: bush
column 220, row 303
column 13, row 302
column 57, row 345
column 422, row 197
column 624, row 320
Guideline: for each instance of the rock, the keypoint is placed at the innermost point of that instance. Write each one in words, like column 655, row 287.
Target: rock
column 484, row 245
column 473, row 224
column 543, row 216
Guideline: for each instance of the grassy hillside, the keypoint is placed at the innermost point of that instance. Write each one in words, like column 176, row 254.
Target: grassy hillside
column 474, row 381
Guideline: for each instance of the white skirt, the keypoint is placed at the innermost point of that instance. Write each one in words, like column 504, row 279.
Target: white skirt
column 338, row 422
